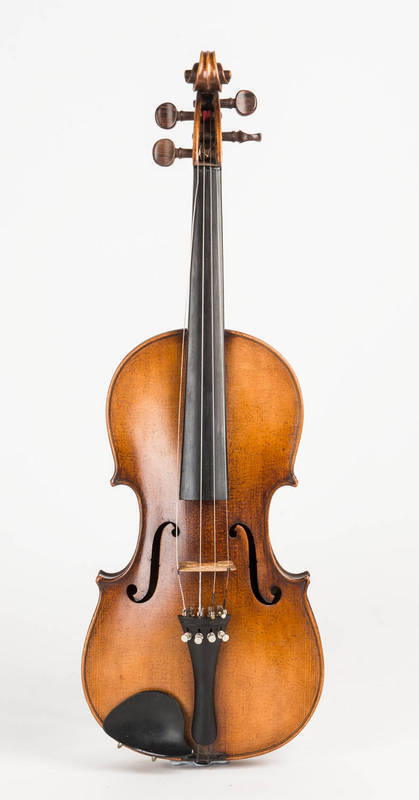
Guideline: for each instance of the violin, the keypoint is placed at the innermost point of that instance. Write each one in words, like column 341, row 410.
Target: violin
column 203, row 648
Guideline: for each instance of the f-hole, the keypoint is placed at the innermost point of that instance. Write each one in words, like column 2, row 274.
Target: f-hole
column 154, row 567
column 253, row 569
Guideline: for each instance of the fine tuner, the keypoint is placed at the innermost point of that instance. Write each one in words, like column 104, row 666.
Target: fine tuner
column 167, row 115
column 199, row 637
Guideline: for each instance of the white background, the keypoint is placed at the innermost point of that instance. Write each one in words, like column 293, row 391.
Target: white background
column 321, row 260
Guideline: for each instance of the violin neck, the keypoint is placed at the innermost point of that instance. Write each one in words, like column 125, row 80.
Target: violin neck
column 204, row 453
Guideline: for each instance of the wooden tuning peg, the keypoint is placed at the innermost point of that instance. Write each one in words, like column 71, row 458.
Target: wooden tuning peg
column 244, row 102
column 240, row 136
column 167, row 115
column 165, row 152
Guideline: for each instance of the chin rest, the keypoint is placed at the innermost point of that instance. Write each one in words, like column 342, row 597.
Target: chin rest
column 149, row 721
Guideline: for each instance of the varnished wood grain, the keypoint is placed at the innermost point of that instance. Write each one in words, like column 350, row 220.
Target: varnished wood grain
column 269, row 674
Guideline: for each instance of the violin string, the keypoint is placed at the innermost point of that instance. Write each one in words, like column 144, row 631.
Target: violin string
column 202, row 384
column 178, row 465
column 213, row 392
column 182, row 359
column 221, row 300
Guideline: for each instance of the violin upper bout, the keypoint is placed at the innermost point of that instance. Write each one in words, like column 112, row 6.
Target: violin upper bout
column 264, row 416
column 142, row 412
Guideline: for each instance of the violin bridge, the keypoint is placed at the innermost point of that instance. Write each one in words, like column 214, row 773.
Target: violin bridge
column 208, row 566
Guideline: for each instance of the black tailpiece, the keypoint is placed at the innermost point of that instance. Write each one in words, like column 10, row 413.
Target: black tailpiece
column 204, row 661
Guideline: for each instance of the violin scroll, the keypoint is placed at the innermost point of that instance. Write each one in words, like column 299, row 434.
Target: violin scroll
column 208, row 77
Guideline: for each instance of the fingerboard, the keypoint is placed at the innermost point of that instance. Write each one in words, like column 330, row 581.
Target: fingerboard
column 204, row 450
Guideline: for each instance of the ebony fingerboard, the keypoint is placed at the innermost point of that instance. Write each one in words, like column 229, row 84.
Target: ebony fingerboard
column 204, row 450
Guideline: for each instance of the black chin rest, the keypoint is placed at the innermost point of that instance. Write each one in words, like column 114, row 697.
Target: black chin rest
column 149, row 721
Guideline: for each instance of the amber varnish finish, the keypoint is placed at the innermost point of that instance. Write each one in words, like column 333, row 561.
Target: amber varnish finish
column 269, row 676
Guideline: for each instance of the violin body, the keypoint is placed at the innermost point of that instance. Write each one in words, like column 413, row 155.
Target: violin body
column 272, row 678
column 203, row 648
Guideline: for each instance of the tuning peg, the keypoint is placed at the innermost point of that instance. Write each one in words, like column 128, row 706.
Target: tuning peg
column 244, row 102
column 240, row 136
column 165, row 152
column 167, row 115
